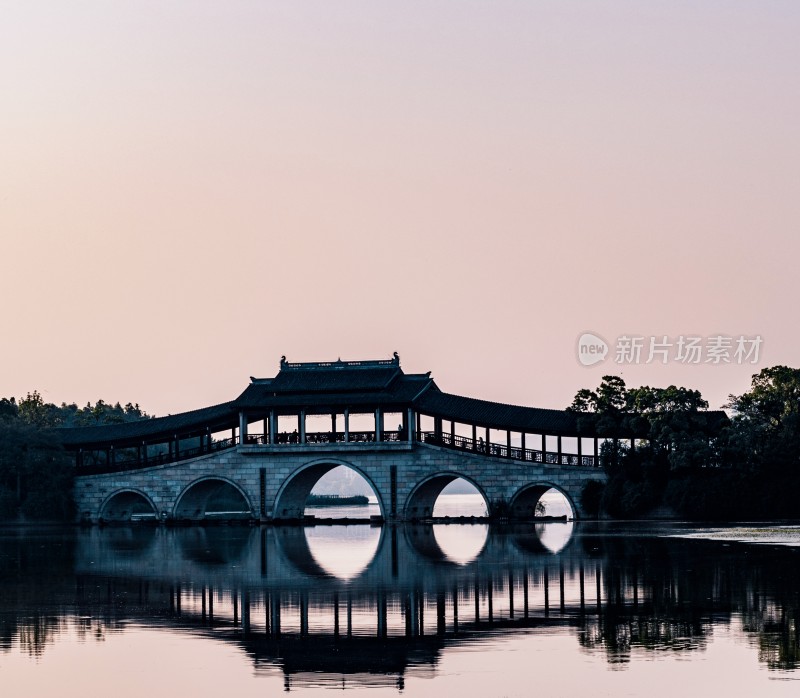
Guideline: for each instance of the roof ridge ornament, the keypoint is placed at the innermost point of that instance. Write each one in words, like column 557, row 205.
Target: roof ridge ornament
column 338, row 364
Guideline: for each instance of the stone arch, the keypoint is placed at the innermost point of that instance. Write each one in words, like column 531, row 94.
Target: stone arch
column 290, row 500
column 523, row 503
column 422, row 499
column 128, row 504
column 212, row 497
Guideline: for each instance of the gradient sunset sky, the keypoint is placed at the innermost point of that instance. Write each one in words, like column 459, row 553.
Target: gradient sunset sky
column 189, row 190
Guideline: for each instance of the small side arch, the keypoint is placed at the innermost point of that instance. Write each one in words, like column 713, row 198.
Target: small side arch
column 128, row 504
column 212, row 497
column 422, row 499
column 523, row 503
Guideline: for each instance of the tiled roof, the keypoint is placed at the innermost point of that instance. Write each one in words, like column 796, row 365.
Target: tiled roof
column 332, row 380
column 401, row 390
column 496, row 415
column 218, row 416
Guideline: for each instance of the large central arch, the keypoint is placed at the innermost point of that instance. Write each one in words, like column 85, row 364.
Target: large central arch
column 290, row 501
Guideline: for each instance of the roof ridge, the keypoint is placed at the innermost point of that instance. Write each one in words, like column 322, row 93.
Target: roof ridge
column 338, row 364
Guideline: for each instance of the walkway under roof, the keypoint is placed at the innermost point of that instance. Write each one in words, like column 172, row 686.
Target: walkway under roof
column 330, row 387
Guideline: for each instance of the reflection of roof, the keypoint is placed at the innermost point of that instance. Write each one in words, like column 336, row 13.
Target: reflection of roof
column 366, row 656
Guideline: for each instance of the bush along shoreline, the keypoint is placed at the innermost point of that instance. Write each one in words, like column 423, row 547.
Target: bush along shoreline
column 692, row 463
column 36, row 473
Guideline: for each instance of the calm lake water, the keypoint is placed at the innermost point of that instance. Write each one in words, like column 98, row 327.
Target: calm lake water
column 464, row 610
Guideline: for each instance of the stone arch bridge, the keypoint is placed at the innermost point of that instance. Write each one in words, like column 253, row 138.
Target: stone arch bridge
column 260, row 455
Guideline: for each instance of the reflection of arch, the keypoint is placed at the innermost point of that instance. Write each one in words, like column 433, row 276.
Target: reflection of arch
column 523, row 503
column 214, row 546
column 290, row 502
column 422, row 539
column 294, row 544
column 212, row 497
column 128, row 505
column 422, row 499
column 529, row 538
column 130, row 542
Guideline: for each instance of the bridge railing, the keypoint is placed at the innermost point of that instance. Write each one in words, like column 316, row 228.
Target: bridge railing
column 454, row 441
column 465, row 443
column 117, row 464
column 323, row 437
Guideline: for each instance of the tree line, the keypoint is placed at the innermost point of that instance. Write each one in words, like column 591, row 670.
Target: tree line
column 689, row 462
column 35, row 472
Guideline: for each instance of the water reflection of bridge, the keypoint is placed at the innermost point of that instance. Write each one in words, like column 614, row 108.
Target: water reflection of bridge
column 272, row 593
column 267, row 590
column 269, row 581
column 402, row 557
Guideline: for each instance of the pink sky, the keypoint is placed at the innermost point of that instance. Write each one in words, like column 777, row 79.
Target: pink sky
column 190, row 190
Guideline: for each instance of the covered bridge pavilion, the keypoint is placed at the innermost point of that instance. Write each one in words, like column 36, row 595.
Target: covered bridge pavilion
column 340, row 402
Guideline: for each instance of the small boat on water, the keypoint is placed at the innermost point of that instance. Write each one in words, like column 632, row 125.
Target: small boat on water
column 336, row 500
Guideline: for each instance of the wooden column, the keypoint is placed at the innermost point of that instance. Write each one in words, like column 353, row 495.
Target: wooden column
column 242, row 428
column 272, row 426
column 346, row 425
column 301, row 418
